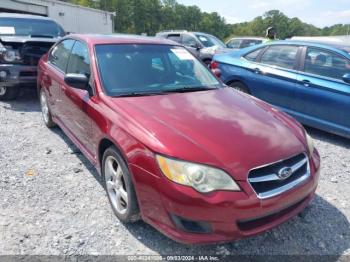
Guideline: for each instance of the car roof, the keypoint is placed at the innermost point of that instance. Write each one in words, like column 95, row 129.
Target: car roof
column 338, row 46
column 182, row 32
column 96, row 39
column 25, row 16
column 247, row 37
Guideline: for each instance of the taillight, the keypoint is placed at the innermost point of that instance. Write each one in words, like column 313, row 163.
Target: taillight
column 214, row 66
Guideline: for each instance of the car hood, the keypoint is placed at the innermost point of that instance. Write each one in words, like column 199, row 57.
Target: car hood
column 221, row 127
column 25, row 39
column 215, row 50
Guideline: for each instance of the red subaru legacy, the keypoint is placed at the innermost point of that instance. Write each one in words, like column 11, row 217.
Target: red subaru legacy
column 197, row 160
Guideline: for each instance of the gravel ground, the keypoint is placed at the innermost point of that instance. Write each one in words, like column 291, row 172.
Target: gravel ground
column 52, row 201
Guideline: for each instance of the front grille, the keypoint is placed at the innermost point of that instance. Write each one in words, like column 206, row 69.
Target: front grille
column 28, row 74
column 276, row 178
column 32, row 52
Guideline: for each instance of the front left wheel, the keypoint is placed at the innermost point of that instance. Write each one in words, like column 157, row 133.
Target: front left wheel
column 119, row 186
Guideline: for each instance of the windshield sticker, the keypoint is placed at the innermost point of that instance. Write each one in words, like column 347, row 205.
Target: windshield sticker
column 7, row 30
column 182, row 54
column 203, row 39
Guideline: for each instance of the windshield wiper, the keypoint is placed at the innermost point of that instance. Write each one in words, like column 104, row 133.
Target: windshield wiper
column 190, row 89
column 141, row 94
column 43, row 36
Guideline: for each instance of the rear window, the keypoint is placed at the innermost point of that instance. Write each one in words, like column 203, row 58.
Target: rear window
column 31, row 27
column 143, row 68
column 176, row 38
column 252, row 56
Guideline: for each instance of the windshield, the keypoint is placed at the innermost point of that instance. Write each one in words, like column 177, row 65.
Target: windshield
column 209, row 41
column 136, row 69
column 29, row 27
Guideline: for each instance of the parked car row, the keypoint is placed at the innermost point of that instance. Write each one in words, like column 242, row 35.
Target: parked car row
column 205, row 46
column 199, row 161
column 308, row 80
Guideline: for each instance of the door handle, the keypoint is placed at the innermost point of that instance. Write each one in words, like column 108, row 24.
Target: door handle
column 257, row 71
column 306, row 82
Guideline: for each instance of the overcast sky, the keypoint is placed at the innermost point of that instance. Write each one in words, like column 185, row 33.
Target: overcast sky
column 317, row 12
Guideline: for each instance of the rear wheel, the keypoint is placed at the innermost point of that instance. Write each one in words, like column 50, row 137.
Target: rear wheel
column 9, row 93
column 45, row 110
column 119, row 187
column 240, row 87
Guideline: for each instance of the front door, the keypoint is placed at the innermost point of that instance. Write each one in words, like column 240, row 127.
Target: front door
column 77, row 102
column 322, row 98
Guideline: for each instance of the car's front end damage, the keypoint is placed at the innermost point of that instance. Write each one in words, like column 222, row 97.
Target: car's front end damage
column 19, row 56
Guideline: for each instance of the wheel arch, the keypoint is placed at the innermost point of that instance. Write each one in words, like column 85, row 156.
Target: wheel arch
column 235, row 80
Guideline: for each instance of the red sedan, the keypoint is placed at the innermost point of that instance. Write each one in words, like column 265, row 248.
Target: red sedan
column 197, row 160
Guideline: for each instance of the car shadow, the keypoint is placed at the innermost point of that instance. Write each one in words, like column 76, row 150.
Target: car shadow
column 328, row 137
column 76, row 151
column 27, row 101
column 321, row 229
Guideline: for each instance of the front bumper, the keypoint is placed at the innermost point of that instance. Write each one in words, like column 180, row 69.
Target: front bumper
column 18, row 75
column 230, row 215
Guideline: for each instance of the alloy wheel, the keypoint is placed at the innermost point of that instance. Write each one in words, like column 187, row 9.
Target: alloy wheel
column 115, row 184
column 44, row 107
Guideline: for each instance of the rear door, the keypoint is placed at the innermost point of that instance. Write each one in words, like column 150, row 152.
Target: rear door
column 274, row 75
column 322, row 97
column 56, row 67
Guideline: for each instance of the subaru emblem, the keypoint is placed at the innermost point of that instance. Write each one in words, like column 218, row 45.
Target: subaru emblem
column 284, row 173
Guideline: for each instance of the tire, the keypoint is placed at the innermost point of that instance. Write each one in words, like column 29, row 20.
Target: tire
column 119, row 186
column 45, row 110
column 9, row 93
column 239, row 86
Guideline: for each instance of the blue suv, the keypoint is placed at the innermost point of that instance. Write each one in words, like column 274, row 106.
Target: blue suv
column 308, row 80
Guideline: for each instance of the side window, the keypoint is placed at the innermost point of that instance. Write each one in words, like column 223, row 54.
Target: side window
column 175, row 37
column 234, row 43
column 60, row 54
column 188, row 40
column 79, row 61
column 324, row 63
column 280, row 55
column 252, row 56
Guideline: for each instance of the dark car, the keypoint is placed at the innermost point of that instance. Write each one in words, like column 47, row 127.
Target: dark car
column 308, row 80
column 202, row 45
column 23, row 40
column 243, row 42
column 199, row 161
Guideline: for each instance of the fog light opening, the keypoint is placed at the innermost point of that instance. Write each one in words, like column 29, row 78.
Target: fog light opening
column 190, row 226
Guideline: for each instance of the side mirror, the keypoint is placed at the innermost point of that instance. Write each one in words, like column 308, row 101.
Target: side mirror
column 79, row 81
column 195, row 46
column 346, row 78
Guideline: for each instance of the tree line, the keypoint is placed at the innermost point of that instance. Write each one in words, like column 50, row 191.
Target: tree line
column 152, row 16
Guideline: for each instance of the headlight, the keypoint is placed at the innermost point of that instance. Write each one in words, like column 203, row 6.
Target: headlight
column 202, row 178
column 2, row 48
column 310, row 143
column 11, row 55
